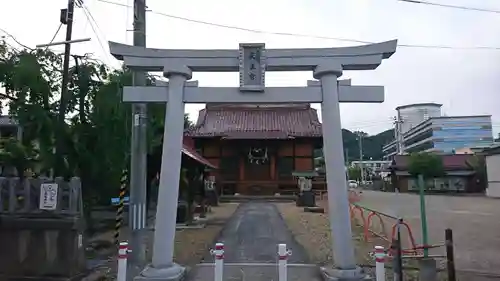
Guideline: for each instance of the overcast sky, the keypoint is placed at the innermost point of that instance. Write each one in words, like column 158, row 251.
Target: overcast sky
column 466, row 82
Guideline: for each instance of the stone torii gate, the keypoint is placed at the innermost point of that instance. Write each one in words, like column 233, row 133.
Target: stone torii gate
column 252, row 61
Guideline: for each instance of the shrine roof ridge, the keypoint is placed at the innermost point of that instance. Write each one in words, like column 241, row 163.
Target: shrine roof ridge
column 253, row 123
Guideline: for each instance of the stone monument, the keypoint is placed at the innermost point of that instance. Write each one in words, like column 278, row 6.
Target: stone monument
column 306, row 196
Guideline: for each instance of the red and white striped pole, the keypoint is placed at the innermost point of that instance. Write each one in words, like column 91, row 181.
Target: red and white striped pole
column 219, row 261
column 380, row 263
column 122, row 262
column 283, row 254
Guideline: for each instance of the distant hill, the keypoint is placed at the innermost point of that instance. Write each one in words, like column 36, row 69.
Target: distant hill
column 372, row 145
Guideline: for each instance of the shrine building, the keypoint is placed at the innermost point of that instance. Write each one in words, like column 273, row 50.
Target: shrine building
column 258, row 148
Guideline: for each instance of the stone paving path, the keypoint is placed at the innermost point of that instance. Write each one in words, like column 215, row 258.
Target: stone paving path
column 251, row 239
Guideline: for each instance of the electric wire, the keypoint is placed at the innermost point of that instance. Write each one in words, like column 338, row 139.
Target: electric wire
column 466, row 8
column 233, row 27
column 9, row 35
column 55, row 35
column 95, row 29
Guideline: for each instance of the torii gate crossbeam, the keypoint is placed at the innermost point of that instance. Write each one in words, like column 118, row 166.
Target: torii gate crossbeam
column 310, row 94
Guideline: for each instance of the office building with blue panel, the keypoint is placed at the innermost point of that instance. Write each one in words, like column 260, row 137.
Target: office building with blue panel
column 445, row 134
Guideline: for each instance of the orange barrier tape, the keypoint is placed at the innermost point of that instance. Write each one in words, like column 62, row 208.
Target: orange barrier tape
column 382, row 234
column 361, row 213
column 367, row 224
column 413, row 245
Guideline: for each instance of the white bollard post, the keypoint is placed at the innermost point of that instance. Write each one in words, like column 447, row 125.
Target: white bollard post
column 219, row 261
column 380, row 263
column 283, row 254
column 122, row 262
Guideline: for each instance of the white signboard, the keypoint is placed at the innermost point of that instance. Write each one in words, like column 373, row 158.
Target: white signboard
column 252, row 67
column 48, row 196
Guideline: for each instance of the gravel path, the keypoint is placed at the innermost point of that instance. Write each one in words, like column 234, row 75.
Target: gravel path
column 251, row 239
column 253, row 233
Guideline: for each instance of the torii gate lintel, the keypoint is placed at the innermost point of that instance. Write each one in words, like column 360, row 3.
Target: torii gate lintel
column 365, row 57
column 310, row 94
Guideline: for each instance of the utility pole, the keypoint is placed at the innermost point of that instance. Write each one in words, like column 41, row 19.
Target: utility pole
column 396, row 242
column 66, row 18
column 346, row 156
column 398, row 135
column 360, row 144
column 138, row 159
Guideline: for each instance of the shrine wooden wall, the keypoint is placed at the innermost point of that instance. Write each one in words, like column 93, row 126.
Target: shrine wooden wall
column 294, row 155
column 285, row 156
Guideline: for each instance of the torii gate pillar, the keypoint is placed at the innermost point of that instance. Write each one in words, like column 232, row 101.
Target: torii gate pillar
column 252, row 60
column 333, row 152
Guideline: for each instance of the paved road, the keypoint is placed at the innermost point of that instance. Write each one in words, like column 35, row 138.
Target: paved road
column 251, row 239
column 474, row 220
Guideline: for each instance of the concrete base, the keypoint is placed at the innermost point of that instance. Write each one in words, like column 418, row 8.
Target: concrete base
column 306, row 199
column 335, row 274
column 314, row 210
column 174, row 272
column 428, row 269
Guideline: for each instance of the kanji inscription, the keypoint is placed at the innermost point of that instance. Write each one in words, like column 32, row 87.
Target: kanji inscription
column 252, row 67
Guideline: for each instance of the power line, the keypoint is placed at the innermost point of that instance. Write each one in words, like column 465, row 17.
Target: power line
column 233, row 27
column 55, row 35
column 451, row 6
column 9, row 35
column 95, row 28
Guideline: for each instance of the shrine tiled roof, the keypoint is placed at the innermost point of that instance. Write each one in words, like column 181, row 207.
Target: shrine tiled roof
column 252, row 122
column 450, row 162
column 191, row 152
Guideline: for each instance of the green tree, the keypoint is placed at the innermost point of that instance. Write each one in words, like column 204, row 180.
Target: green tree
column 478, row 164
column 354, row 173
column 424, row 165
column 428, row 165
column 18, row 156
column 96, row 131
column 97, row 127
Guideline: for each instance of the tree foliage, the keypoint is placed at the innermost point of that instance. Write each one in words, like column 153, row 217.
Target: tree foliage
column 478, row 164
column 372, row 145
column 97, row 128
column 428, row 165
column 354, row 173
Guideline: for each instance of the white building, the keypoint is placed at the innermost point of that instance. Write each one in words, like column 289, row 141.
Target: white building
column 375, row 166
column 414, row 114
column 492, row 170
column 424, row 129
